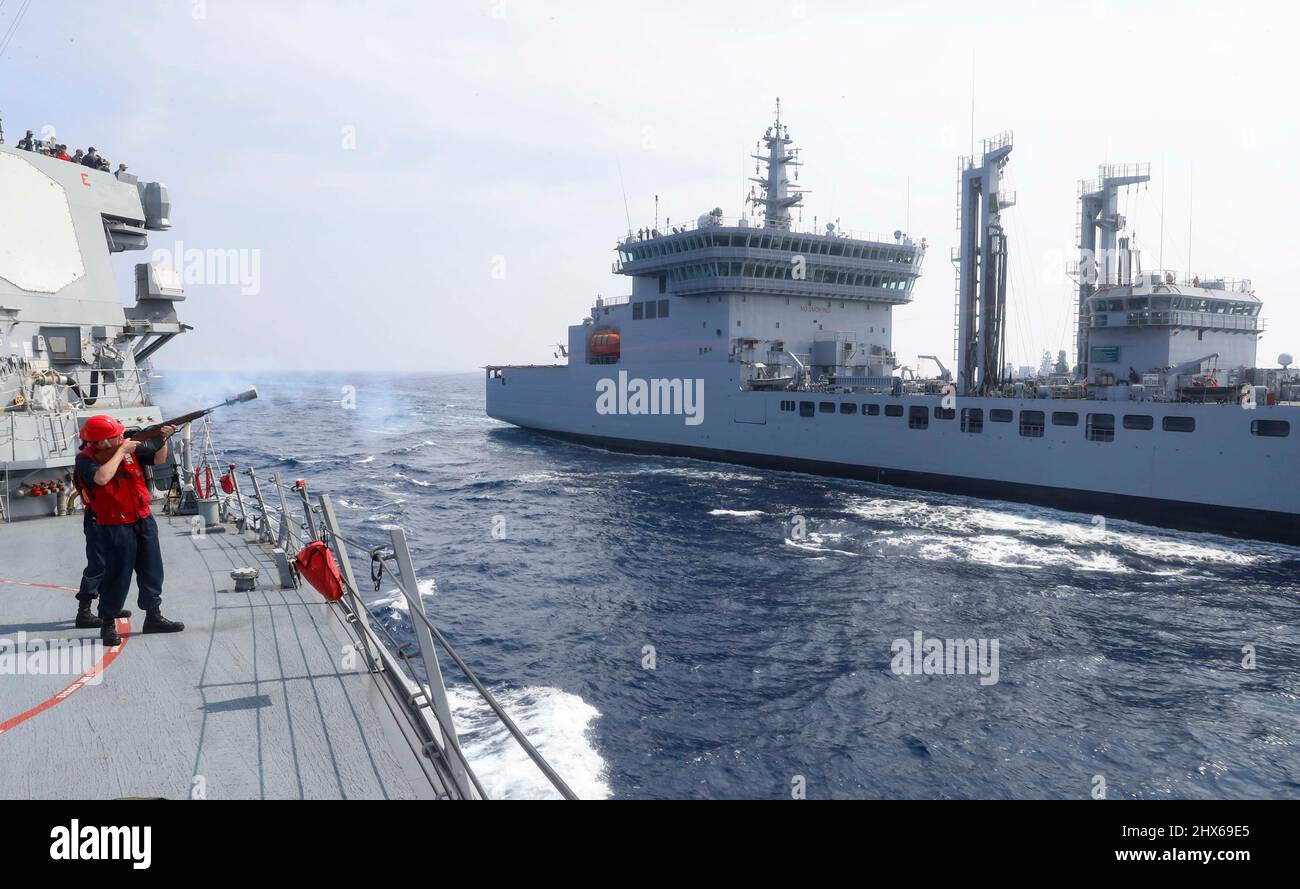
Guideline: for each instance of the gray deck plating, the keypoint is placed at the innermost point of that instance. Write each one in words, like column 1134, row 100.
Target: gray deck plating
column 252, row 697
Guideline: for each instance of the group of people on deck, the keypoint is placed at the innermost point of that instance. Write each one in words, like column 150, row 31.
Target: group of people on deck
column 90, row 158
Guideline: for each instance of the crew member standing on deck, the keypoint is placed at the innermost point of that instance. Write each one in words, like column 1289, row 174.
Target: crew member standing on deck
column 93, row 573
column 109, row 467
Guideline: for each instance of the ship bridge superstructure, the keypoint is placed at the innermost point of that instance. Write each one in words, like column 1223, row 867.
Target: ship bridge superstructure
column 770, row 254
column 715, row 257
column 782, row 303
column 1135, row 323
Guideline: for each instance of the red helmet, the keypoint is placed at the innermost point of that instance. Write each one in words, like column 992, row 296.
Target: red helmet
column 101, row 428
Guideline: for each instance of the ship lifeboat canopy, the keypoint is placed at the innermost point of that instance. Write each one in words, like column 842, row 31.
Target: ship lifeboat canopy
column 605, row 344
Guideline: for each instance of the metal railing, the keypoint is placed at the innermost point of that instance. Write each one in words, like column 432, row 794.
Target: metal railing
column 274, row 522
column 94, row 388
column 1208, row 282
column 757, row 225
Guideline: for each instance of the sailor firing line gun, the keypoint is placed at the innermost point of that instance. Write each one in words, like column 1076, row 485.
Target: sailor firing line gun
column 121, row 534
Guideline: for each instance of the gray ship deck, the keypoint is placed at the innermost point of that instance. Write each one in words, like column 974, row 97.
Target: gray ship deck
column 252, row 696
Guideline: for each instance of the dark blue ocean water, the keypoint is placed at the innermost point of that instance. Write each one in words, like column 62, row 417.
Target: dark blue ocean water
column 1119, row 653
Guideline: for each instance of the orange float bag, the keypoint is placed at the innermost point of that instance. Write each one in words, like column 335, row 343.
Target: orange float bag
column 316, row 563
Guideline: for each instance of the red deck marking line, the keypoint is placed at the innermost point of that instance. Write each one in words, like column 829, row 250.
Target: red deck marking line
column 110, row 655
column 41, row 586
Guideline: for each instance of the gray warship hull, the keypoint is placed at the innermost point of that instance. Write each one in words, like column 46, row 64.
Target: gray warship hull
column 1194, row 480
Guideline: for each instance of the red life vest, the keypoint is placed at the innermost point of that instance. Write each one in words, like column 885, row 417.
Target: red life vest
column 125, row 499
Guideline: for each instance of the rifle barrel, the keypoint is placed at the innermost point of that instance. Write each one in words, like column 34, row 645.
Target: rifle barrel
column 152, row 431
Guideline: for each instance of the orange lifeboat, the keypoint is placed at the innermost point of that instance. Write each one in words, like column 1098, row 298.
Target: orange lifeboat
column 605, row 344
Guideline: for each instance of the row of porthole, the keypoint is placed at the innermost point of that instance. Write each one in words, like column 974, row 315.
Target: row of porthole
column 1100, row 427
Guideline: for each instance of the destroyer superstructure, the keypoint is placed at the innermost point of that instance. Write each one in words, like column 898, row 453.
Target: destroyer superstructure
column 755, row 343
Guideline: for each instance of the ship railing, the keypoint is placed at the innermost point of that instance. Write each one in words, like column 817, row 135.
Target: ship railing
column 607, row 301
column 130, row 386
column 757, row 224
column 283, row 516
column 1124, row 171
column 987, row 146
column 1208, row 282
column 95, row 388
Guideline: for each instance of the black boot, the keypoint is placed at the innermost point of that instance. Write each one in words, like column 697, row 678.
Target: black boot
column 88, row 621
column 108, row 634
column 154, row 622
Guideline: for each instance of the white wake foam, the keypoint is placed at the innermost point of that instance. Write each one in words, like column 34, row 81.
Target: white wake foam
column 394, row 599
column 819, row 543
column 1027, row 536
column 556, row 722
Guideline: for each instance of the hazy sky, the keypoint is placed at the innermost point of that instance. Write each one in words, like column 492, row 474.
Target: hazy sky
column 489, row 135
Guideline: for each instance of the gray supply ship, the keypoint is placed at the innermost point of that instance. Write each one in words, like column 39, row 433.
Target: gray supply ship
column 749, row 341
column 271, row 691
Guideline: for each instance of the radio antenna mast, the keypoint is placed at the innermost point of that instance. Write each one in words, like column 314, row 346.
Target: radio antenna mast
column 626, row 212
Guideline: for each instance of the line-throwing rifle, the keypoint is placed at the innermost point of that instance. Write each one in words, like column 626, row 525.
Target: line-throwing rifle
column 155, row 430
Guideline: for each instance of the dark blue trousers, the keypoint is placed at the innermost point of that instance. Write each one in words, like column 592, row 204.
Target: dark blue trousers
column 93, row 574
column 130, row 549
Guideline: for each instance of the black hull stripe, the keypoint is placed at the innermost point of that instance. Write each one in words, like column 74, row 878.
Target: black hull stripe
column 1259, row 524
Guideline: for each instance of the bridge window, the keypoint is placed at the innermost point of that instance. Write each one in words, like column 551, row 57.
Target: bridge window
column 1065, row 418
column 1138, row 421
column 945, row 413
column 787, row 405
column 1000, row 415
column 651, row 310
column 871, row 410
column 1101, row 427
column 663, row 308
column 972, row 419
column 1178, row 424
column 826, row 407
column 918, row 417
column 1270, row 428
column 1031, row 424
column 893, row 410
column 807, row 408
column 638, row 311
column 848, row 407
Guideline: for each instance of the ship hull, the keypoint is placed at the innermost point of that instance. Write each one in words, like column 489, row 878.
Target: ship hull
column 1257, row 524
column 1218, row 478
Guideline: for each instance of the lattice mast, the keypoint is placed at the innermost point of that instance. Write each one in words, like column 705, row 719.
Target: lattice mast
column 778, row 196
